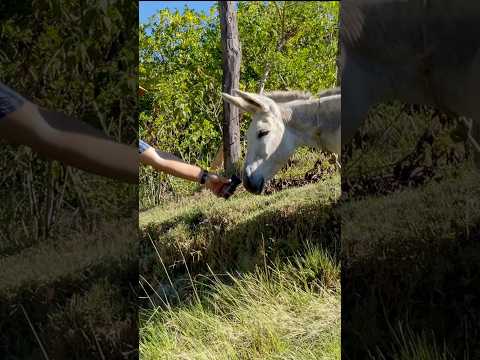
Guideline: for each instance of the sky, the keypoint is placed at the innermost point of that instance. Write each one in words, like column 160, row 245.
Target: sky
column 148, row 8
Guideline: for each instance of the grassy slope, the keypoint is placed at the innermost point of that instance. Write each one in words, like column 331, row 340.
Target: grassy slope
column 435, row 212
column 236, row 234
column 417, row 253
column 410, row 257
column 289, row 310
column 429, row 223
column 68, row 288
column 48, row 263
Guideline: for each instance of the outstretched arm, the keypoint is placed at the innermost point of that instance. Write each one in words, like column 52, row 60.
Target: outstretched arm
column 172, row 165
column 70, row 141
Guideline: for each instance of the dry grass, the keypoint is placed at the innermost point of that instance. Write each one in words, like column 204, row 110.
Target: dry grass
column 234, row 289
column 273, row 313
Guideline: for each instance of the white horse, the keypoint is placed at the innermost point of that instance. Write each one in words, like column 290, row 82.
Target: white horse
column 281, row 122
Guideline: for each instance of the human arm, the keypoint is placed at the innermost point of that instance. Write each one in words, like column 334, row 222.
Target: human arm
column 170, row 164
column 70, row 141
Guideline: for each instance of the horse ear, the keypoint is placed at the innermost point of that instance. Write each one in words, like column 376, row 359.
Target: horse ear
column 254, row 99
column 239, row 102
column 245, row 105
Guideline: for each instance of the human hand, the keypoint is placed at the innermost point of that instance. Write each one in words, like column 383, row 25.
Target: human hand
column 216, row 184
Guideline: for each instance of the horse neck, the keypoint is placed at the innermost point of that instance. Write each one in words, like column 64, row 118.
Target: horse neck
column 311, row 119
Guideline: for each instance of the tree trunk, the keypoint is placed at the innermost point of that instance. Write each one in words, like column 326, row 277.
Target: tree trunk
column 338, row 60
column 231, row 54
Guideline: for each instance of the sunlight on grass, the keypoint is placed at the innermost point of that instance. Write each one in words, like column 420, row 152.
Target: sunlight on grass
column 275, row 313
column 272, row 305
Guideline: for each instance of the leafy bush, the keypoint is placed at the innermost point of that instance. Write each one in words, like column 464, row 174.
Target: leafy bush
column 73, row 57
column 181, row 66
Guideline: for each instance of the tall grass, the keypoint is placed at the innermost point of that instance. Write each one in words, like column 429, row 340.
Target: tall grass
column 409, row 345
column 289, row 311
column 221, row 280
column 409, row 252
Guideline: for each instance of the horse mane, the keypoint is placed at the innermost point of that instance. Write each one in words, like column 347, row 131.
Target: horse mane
column 282, row 96
column 328, row 92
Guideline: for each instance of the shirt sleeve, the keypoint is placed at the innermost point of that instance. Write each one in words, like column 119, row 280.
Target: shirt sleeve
column 142, row 146
column 10, row 101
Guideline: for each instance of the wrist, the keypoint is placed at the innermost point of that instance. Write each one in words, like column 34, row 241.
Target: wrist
column 202, row 178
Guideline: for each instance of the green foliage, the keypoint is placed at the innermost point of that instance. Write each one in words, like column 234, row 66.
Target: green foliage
column 74, row 57
column 180, row 63
column 307, row 59
column 181, row 67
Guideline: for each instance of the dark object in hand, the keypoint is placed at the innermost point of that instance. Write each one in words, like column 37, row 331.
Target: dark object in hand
column 231, row 187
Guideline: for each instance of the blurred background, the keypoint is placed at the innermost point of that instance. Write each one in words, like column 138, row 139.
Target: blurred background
column 68, row 238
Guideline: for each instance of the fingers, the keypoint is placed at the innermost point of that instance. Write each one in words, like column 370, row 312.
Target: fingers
column 221, row 179
column 217, row 180
column 221, row 186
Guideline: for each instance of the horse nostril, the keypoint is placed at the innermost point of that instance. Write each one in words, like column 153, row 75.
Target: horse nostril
column 261, row 185
column 247, row 184
column 252, row 187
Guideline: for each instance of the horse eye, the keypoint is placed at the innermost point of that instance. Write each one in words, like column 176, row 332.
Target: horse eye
column 262, row 133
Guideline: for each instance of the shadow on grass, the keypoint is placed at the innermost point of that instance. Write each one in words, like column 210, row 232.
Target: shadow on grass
column 76, row 295
column 412, row 260
column 205, row 243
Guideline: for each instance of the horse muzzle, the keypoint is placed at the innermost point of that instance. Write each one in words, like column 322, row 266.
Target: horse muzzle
column 253, row 184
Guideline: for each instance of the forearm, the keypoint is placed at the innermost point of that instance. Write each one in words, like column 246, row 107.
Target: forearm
column 62, row 122
column 72, row 142
column 92, row 154
column 90, row 149
column 170, row 164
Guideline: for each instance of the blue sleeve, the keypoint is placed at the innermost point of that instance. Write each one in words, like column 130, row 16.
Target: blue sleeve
column 142, row 146
column 10, row 101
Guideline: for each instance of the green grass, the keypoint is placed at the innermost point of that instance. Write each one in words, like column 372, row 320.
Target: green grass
column 243, row 203
column 390, row 133
column 409, row 345
column 409, row 257
column 404, row 253
column 53, row 262
column 412, row 256
column 413, row 217
column 299, row 164
column 399, row 251
column 161, row 190
column 238, row 233
column 235, row 288
column 279, row 312
column 76, row 291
